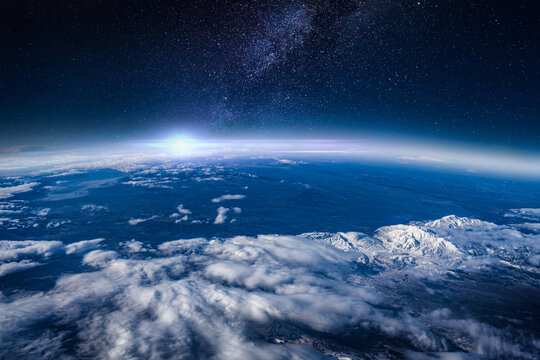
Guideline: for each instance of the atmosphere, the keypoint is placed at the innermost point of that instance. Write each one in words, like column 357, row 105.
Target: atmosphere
column 270, row 180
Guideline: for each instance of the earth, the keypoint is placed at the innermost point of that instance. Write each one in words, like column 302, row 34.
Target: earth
column 268, row 258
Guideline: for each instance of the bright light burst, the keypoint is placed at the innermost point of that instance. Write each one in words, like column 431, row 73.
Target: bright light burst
column 178, row 145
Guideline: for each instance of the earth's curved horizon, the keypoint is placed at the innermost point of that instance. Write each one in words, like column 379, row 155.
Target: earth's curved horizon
column 273, row 257
column 270, row 180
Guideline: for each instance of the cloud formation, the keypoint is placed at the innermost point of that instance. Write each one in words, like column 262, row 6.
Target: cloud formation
column 228, row 197
column 94, row 208
column 12, row 267
column 524, row 213
column 316, row 295
column 83, row 246
column 9, row 191
column 15, row 250
column 137, row 221
column 221, row 215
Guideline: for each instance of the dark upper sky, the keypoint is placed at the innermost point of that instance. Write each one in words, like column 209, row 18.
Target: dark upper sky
column 446, row 69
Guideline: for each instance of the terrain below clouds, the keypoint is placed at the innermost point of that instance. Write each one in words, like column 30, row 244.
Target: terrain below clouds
column 191, row 259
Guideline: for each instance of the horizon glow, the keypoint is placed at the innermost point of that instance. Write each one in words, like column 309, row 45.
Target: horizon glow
column 413, row 153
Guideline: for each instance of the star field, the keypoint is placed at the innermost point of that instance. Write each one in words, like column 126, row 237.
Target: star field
column 445, row 69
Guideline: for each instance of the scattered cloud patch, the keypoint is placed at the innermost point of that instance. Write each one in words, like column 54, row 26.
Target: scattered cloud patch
column 210, row 178
column 10, row 191
column 286, row 161
column 183, row 218
column 56, row 223
column 228, row 197
column 141, row 220
column 178, row 216
column 12, row 267
column 149, row 183
column 11, row 250
column 10, row 208
column 94, row 208
column 21, row 255
column 134, row 246
column 43, row 212
column 83, row 246
column 99, row 258
column 221, row 215
column 182, row 210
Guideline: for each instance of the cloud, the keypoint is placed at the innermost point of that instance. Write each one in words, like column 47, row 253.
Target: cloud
column 268, row 296
column 9, row 191
column 182, row 210
column 56, row 223
column 11, row 208
column 14, row 250
column 534, row 260
column 43, row 212
column 149, row 183
column 99, row 258
column 134, row 246
column 21, row 255
column 286, row 161
column 210, row 178
column 228, row 197
column 423, row 159
column 94, row 208
column 182, row 246
column 12, row 267
column 183, row 218
column 524, row 213
column 134, row 221
column 83, row 246
column 535, row 227
column 222, row 215
column 484, row 339
column 77, row 189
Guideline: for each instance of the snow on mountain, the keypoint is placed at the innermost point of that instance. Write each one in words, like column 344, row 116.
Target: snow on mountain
column 449, row 242
column 454, row 222
column 415, row 241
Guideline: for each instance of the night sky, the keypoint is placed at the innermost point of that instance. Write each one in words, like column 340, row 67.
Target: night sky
column 464, row 70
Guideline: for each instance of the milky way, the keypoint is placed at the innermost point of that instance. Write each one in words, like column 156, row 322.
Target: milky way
column 464, row 70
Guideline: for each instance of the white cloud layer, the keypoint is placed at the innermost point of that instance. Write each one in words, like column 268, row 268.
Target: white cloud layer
column 264, row 297
column 94, row 208
column 524, row 213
